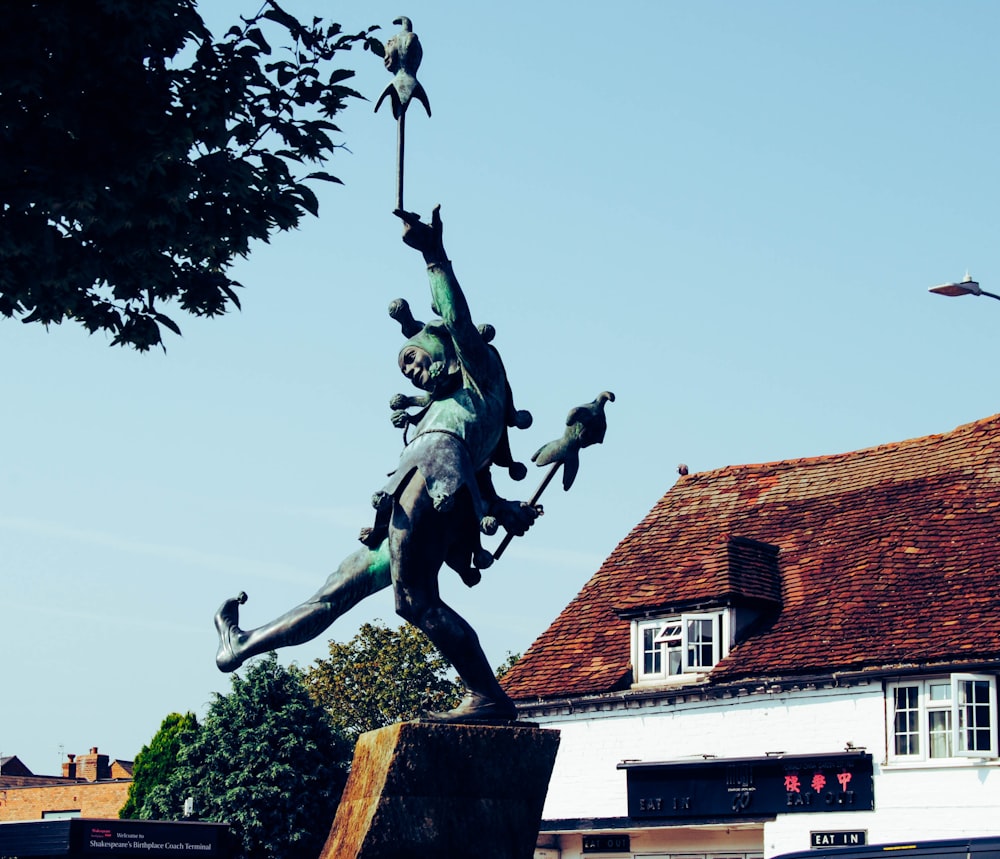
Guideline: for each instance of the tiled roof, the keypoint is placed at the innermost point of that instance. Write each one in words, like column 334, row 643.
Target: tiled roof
column 887, row 557
column 122, row 769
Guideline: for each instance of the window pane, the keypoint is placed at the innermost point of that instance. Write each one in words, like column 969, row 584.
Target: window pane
column 906, row 723
column 670, row 634
column 699, row 642
column 940, row 691
column 939, row 722
column 674, row 659
column 974, row 715
column 652, row 658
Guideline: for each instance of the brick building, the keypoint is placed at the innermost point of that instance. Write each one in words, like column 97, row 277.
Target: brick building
column 91, row 785
column 784, row 655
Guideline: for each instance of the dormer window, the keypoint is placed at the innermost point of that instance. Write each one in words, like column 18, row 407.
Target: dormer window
column 674, row 648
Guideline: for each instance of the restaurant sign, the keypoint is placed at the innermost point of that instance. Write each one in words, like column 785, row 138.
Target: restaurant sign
column 750, row 787
column 617, row 843
column 839, row 838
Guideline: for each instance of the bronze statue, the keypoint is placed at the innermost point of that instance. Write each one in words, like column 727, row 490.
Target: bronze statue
column 441, row 497
column 437, row 502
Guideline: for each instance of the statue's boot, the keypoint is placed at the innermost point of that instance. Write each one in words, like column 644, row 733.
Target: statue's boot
column 477, row 709
column 226, row 620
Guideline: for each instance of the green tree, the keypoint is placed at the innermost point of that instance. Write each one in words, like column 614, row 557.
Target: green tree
column 139, row 156
column 156, row 762
column 381, row 676
column 507, row 664
column 267, row 760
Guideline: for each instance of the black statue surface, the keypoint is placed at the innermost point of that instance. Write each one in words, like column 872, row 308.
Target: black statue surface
column 436, row 504
column 441, row 498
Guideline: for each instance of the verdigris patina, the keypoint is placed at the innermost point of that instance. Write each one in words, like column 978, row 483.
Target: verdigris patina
column 441, row 498
column 436, row 504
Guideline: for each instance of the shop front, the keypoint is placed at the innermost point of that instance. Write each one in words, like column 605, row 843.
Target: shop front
column 718, row 808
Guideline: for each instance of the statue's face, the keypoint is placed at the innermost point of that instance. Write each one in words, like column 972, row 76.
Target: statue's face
column 415, row 364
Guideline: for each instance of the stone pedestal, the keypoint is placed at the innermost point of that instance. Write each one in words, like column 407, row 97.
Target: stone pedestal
column 419, row 790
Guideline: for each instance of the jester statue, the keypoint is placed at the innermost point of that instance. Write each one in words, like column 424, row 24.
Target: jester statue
column 435, row 505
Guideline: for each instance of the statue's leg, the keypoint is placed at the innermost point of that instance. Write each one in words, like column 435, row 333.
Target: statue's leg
column 358, row 576
column 419, row 538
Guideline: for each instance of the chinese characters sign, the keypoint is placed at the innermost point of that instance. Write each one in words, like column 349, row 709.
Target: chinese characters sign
column 750, row 787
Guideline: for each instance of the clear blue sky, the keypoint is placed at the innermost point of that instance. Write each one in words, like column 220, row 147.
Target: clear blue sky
column 728, row 213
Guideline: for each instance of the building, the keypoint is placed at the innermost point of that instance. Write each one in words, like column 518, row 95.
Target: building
column 91, row 785
column 784, row 655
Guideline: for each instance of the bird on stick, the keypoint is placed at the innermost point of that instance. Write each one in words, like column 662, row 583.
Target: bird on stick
column 585, row 425
column 403, row 54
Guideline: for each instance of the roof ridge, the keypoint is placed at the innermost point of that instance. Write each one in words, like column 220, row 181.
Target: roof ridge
column 823, row 459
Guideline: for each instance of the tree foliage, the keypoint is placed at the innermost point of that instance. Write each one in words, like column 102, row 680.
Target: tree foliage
column 272, row 756
column 507, row 664
column 267, row 760
column 139, row 156
column 156, row 762
column 381, row 676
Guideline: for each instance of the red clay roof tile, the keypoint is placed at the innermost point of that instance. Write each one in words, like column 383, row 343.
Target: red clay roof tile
column 887, row 556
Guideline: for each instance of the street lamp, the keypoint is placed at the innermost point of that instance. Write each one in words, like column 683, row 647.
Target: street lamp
column 968, row 286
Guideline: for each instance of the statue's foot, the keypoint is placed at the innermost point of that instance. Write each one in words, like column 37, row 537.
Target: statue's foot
column 477, row 709
column 226, row 624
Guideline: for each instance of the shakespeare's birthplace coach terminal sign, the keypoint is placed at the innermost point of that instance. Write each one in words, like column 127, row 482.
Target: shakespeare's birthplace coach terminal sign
column 96, row 838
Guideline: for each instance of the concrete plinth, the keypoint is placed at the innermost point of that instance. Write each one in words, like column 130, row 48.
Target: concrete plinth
column 419, row 790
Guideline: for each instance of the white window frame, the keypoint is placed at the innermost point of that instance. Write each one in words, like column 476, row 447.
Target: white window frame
column 960, row 715
column 960, row 718
column 677, row 636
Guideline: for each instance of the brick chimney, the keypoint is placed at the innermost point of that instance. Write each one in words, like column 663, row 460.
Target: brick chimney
column 93, row 767
column 69, row 767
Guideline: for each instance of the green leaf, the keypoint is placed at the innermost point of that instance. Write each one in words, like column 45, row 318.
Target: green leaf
column 257, row 37
column 233, row 297
column 340, row 75
column 326, row 177
column 168, row 322
column 308, row 199
column 274, row 13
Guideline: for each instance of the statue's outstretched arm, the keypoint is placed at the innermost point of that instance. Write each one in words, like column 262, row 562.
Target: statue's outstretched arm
column 448, row 300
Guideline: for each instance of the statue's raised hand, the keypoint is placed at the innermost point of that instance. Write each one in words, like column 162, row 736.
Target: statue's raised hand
column 426, row 238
